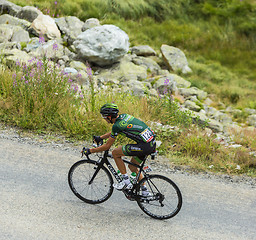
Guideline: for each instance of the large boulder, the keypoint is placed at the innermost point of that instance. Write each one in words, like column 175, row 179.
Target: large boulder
column 102, row 45
column 28, row 13
column 45, row 26
column 8, row 19
column 13, row 34
column 175, row 59
column 9, row 7
column 143, row 50
column 70, row 28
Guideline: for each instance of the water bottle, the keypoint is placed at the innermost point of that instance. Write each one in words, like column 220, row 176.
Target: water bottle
column 120, row 174
column 132, row 177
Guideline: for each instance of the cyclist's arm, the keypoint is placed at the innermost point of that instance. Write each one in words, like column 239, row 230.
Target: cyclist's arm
column 103, row 147
column 105, row 136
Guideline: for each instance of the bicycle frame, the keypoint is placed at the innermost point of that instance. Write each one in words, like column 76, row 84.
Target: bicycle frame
column 105, row 160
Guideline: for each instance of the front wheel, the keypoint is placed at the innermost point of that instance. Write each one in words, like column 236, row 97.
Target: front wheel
column 79, row 177
column 164, row 199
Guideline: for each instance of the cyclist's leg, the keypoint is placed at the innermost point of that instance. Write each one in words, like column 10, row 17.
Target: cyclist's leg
column 117, row 155
column 138, row 161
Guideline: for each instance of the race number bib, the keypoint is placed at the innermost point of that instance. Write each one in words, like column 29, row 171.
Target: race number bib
column 147, row 135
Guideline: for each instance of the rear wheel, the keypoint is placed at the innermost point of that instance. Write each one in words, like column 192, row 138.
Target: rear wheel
column 164, row 200
column 79, row 177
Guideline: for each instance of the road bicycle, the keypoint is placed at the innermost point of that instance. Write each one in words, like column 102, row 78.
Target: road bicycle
column 91, row 181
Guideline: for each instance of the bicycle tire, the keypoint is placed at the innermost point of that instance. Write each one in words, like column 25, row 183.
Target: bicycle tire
column 99, row 190
column 165, row 198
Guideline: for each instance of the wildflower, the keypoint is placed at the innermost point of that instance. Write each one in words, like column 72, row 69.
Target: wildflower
column 26, row 81
column 167, row 81
column 41, row 40
column 55, row 47
column 55, row 2
column 18, row 63
column 39, row 64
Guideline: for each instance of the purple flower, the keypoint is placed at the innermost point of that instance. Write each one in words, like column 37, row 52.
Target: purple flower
column 167, row 81
column 55, row 47
column 55, row 2
column 89, row 71
column 39, row 64
column 18, row 63
column 41, row 40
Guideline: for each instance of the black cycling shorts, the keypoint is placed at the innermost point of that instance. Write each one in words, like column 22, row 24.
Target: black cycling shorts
column 139, row 150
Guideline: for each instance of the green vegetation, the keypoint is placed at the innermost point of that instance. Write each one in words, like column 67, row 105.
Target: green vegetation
column 218, row 38
column 41, row 98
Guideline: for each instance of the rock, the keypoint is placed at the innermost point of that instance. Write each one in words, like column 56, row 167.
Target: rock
column 250, row 111
column 15, row 56
column 51, row 49
column 6, row 32
column 9, row 7
column 13, row 33
column 136, row 87
column 45, row 26
column 9, row 46
column 186, row 92
column 123, row 71
column 143, row 50
column 78, row 65
column 102, row 45
column 151, row 66
column 20, row 35
column 175, row 59
column 180, row 82
column 70, row 27
column 90, row 23
column 8, row 19
column 32, row 45
column 28, row 13
column 215, row 125
column 251, row 120
column 192, row 106
column 165, row 86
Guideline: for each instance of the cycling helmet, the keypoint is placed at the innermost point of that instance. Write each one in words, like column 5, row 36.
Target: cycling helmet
column 109, row 109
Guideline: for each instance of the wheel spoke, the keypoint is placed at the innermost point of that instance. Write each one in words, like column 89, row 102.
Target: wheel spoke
column 165, row 199
column 99, row 190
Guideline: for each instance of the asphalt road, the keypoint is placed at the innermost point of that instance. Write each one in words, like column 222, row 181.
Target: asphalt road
column 36, row 203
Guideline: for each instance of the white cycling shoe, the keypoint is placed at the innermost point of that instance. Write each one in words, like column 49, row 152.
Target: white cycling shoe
column 122, row 185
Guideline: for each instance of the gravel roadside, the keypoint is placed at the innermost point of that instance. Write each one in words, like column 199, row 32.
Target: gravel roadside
column 36, row 202
column 161, row 163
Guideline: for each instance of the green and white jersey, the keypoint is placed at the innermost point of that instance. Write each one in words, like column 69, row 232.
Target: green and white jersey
column 132, row 128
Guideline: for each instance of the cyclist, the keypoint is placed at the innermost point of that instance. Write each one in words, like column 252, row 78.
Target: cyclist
column 132, row 128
